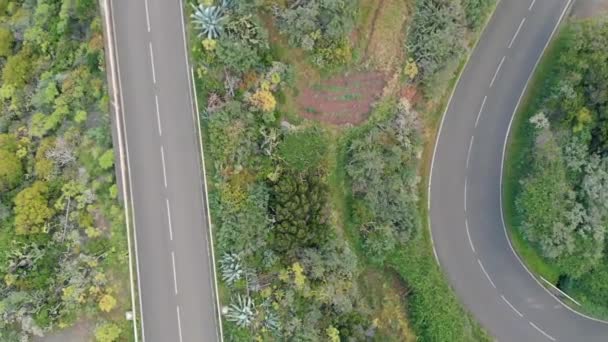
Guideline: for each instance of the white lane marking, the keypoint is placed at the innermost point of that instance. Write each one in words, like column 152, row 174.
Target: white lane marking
column 160, row 128
column 465, row 194
column 560, row 291
column 174, row 272
column 511, row 306
column 162, row 157
column 531, row 5
column 497, row 71
column 469, row 152
column 152, row 62
column 502, row 165
column 483, row 104
column 125, row 167
column 147, row 15
column 179, row 325
column 486, row 273
column 542, row 332
column 466, row 224
column 517, row 32
column 169, row 219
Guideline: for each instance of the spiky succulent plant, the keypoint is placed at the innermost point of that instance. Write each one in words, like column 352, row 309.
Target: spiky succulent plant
column 209, row 20
column 230, row 265
column 241, row 312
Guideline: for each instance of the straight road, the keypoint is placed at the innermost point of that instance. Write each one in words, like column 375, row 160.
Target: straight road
column 165, row 179
column 465, row 188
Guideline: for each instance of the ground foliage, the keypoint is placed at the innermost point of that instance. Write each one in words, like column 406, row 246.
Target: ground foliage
column 561, row 199
column 63, row 255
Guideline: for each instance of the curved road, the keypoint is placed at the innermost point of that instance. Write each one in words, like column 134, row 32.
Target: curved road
column 465, row 206
column 161, row 174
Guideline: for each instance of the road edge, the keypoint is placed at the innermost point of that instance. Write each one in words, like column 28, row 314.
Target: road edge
column 566, row 10
column 123, row 176
column 204, row 187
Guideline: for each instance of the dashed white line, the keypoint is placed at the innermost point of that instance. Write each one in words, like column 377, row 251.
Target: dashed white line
column 466, row 224
column 179, row 325
column 497, row 71
column 174, row 272
column 169, row 219
column 542, row 332
column 160, row 128
column 147, row 14
column 511, row 306
column 162, row 158
column 465, row 194
column 152, row 62
column 517, row 32
column 469, row 152
column 486, row 273
column 531, row 5
column 483, row 104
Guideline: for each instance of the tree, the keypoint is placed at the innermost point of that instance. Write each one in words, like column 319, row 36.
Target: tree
column 107, row 303
column 31, row 209
column 107, row 332
column 6, row 42
column 11, row 170
column 106, row 160
column 299, row 207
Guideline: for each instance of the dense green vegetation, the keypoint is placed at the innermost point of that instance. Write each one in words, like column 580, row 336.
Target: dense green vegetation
column 306, row 214
column 557, row 175
column 63, row 254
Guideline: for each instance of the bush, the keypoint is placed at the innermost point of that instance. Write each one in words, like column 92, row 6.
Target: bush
column 32, row 211
column 11, row 170
column 6, row 42
column 107, row 332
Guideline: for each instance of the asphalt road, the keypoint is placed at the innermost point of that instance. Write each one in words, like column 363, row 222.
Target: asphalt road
column 163, row 160
column 465, row 205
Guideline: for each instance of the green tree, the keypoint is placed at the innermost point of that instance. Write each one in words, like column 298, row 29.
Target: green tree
column 32, row 211
column 106, row 160
column 107, row 332
column 11, row 170
column 6, row 42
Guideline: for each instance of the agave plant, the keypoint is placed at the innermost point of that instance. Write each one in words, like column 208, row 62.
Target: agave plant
column 242, row 312
column 231, row 268
column 209, row 20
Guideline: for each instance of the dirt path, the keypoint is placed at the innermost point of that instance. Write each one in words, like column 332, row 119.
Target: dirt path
column 342, row 99
column 589, row 8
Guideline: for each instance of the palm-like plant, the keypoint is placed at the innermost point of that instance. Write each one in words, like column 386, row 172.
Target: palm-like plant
column 242, row 312
column 209, row 20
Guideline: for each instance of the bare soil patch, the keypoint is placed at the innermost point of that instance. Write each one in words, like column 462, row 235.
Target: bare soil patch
column 589, row 8
column 79, row 332
column 342, row 99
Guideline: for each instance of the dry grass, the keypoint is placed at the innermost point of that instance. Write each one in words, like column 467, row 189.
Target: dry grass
column 385, row 48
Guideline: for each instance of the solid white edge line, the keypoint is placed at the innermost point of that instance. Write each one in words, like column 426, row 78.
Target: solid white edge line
column 511, row 306
column 179, row 325
column 469, row 151
column 486, row 273
column 483, row 104
column 160, row 127
column 194, row 95
column 152, row 63
column 466, row 224
column 560, row 291
column 504, row 226
column 541, row 331
column 497, row 70
column 123, row 152
column 174, row 271
column 169, row 219
column 531, row 5
column 147, row 15
column 162, row 157
column 517, row 32
column 447, row 107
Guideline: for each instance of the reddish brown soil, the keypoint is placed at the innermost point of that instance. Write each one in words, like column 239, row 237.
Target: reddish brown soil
column 342, row 99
